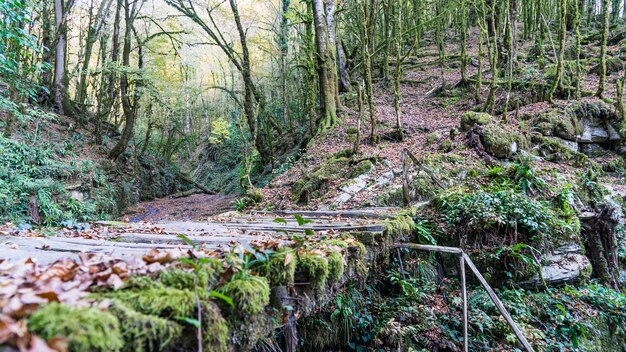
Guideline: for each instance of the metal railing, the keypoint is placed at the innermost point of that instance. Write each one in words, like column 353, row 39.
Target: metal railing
column 465, row 259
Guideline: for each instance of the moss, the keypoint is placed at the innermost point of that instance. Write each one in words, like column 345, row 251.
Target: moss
column 346, row 153
column 313, row 185
column 402, row 225
column 431, row 138
column 558, row 123
column 469, row 119
column 615, row 165
column 446, row 146
column 315, row 267
column 141, row 282
column 281, row 267
column 215, row 333
column 500, row 143
column 143, row 332
column 352, row 130
column 553, row 150
column 336, row 266
column 184, row 279
column 85, row 329
column 165, row 302
column 361, row 168
column 249, row 293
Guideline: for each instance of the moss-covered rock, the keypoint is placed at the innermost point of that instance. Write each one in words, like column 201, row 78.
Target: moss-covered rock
column 336, row 266
column 431, row 138
column 85, row 329
column 142, row 332
column 501, row 143
column 361, row 168
column 250, row 294
column 281, row 267
column 165, row 302
column 552, row 149
column 560, row 123
column 446, row 146
column 315, row 267
column 471, row 118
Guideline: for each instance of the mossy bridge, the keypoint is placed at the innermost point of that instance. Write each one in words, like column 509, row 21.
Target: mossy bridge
column 222, row 285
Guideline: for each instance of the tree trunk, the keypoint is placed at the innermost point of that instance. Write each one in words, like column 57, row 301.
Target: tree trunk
column 128, row 107
column 59, row 56
column 325, row 67
column 603, row 40
column 559, row 67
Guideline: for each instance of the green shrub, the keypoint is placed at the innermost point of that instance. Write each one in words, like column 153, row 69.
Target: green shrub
column 504, row 212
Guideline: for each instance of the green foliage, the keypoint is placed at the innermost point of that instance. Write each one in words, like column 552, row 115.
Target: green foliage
column 32, row 181
column 86, row 329
column 18, row 67
column 503, row 212
column 219, row 131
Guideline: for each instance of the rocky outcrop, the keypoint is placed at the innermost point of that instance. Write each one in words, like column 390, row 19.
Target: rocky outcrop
column 587, row 122
column 566, row 264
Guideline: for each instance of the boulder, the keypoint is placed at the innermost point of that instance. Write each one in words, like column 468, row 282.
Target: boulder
column 565, row 264
column 471, row 118
column 500, row 143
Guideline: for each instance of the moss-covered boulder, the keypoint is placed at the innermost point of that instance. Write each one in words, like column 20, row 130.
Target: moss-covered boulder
column 314, row 184
column 250, row 294
column 471, row 118
column 558, row 123
column 85, row 329
column 313, row 266
column 361, row 168
column 500, row 142
column 142, row 332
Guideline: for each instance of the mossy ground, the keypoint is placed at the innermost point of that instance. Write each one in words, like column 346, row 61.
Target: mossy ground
column 86, row 329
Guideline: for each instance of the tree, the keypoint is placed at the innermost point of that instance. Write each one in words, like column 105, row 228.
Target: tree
column 129, row 103
column 556, row 84
column 241, row 61
column 18, row 72
column 603, row 43
column 61, row 12
column 323, row 19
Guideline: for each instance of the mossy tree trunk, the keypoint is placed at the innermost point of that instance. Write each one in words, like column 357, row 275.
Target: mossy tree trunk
column 325, row 65
column 603, row 44
column 559, row 65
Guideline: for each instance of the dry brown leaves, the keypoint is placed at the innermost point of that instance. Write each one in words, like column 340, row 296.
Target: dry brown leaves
column 25, row 286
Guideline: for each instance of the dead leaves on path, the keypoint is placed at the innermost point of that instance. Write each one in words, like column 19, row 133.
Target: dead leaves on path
column 25, row 286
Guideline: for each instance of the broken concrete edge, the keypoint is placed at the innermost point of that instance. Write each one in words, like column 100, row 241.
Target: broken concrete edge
column 298, row 280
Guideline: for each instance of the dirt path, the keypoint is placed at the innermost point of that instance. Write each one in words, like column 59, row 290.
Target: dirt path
column 194, row 207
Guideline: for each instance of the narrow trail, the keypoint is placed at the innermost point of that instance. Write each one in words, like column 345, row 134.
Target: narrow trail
column 196, row 207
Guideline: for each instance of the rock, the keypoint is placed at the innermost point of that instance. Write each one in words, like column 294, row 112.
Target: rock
column 571, row 145
column 469, row 119
column 500, row 143
column 593, row 132
column 355, row 185
column 383, row 180
column 592, row 149
column 76, row 195
column 565, row 265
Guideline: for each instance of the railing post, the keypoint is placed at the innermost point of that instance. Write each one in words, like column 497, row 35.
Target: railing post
column 464, row 295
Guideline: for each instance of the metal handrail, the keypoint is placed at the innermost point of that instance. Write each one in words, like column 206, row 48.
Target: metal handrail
column 465, row 259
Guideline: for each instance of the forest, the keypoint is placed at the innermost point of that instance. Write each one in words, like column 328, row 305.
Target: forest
column 312, row 175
